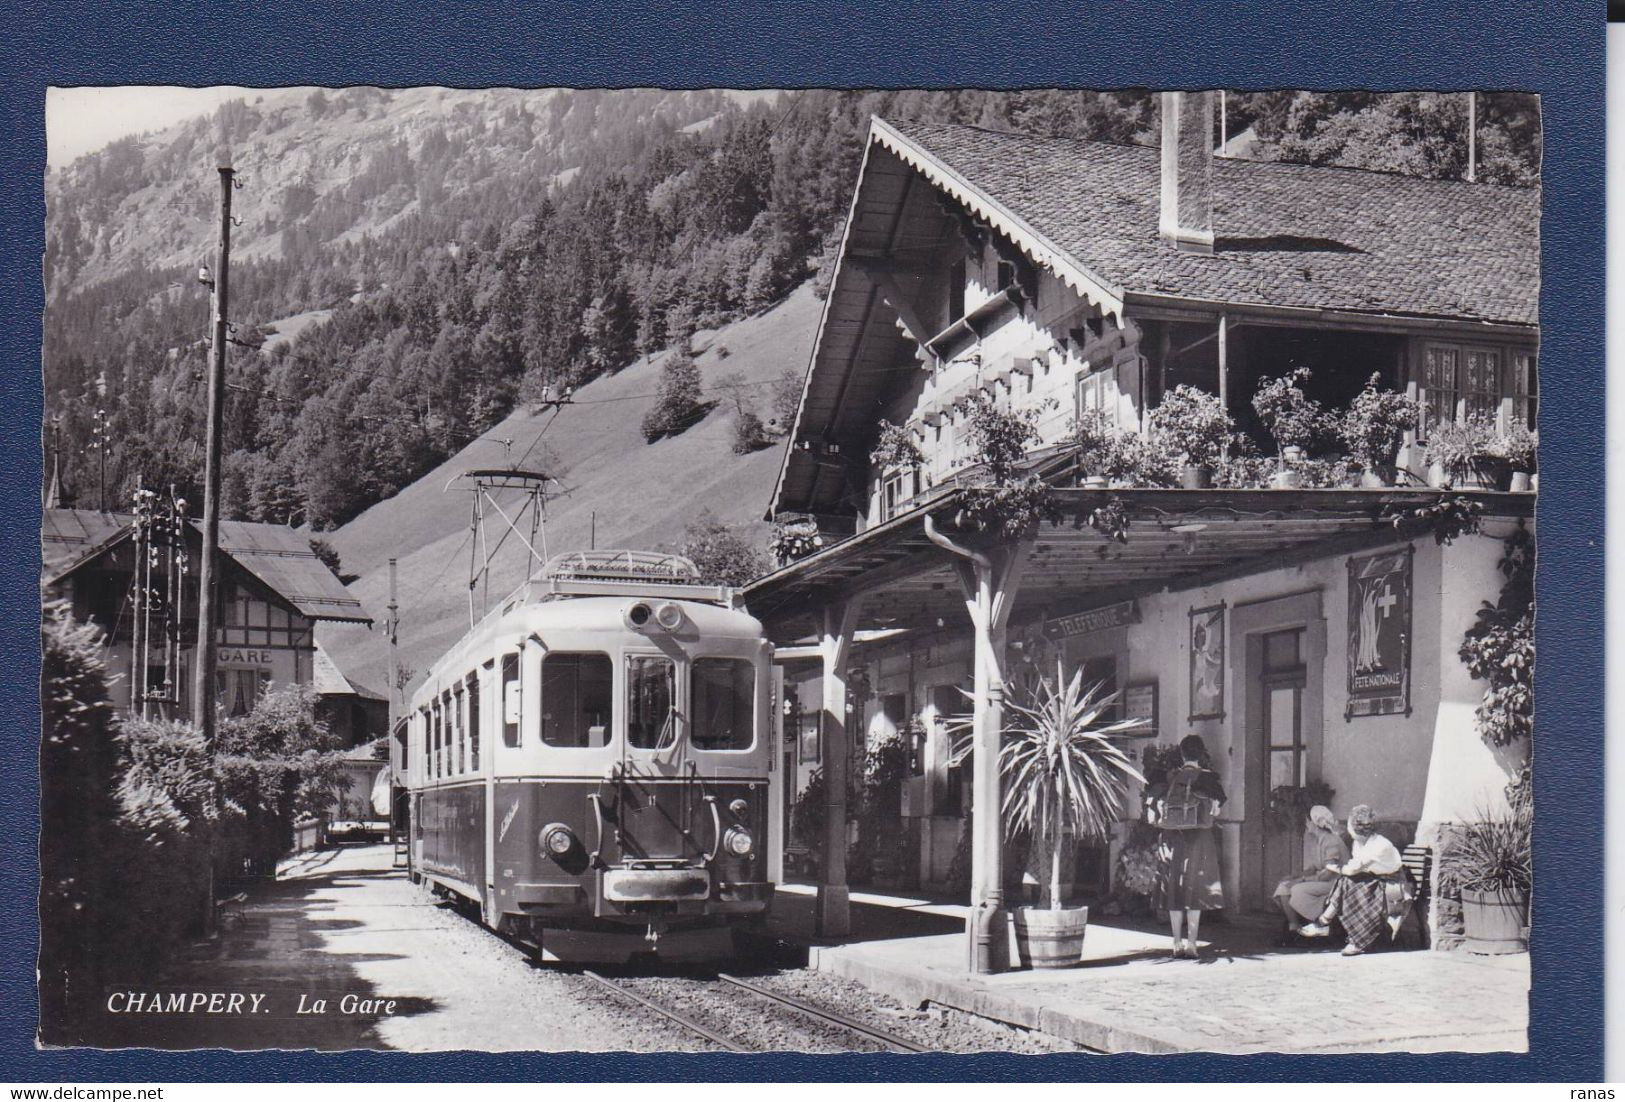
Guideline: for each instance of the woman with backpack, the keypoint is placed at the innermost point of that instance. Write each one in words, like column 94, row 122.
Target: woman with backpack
column 1185, row 804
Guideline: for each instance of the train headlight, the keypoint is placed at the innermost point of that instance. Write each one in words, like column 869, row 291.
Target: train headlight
column 557, row 839
column 738, row 841
column 669, row 616
column 639, row 615
column 738, row 807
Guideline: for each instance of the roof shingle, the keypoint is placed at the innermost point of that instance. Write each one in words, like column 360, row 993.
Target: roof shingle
column 1286, row 235
column 279, row 557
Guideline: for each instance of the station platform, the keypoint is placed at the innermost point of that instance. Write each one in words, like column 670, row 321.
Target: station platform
column 1243, row 995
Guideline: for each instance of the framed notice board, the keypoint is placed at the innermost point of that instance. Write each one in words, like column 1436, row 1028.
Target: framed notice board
column 1140, row 702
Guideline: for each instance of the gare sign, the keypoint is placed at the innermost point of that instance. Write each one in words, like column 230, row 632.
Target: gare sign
column 245, row 656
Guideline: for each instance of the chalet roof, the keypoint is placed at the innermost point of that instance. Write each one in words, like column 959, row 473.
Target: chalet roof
column 366, row 754
column 70, row 536
column 279, row 557
column 329, row 680
column 1346, row 246
column 1289, row 235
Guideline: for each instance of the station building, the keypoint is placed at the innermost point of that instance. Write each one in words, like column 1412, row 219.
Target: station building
column 273, row 591
column 1310, row 636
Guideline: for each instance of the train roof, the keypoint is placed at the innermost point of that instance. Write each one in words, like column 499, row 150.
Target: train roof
column 591, row 588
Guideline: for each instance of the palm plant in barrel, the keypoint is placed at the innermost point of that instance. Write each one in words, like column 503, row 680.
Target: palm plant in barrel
column 1064, row 775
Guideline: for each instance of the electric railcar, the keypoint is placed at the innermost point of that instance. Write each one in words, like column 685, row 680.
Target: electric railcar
column 592, row 763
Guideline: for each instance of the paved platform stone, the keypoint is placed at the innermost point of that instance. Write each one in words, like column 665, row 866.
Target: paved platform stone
column 1242, row 997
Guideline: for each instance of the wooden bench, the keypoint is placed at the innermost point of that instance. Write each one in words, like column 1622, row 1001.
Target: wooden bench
column 1418, row 863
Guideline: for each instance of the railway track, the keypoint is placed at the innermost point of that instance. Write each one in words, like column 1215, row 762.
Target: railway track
column 665, row 1012
column 793, row 1006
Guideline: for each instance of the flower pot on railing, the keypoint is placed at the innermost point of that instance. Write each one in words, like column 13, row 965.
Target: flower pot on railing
column 1478, row 475
column 1093, row 482
column 1198, row 476
column 1468, row 454
column 1287, row 476
column 1485, row 472
column 1378, row 476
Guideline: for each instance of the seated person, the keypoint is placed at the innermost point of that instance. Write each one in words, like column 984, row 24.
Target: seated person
column 1359, row 897
column 1302, row 897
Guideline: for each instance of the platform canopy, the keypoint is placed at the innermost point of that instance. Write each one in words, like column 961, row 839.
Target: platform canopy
column 1171, row 539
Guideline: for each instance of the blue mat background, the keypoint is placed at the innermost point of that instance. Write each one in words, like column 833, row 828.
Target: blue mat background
column 1451, row 44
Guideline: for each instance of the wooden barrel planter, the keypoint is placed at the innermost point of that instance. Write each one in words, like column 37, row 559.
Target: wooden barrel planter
column 1494, row 922
column 1050, row 939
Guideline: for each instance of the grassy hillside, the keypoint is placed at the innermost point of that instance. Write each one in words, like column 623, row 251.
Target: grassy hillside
column 643, row 494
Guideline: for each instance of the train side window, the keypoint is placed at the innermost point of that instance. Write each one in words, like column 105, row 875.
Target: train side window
column 474, row 722
column 724, row 704
column 510, row 699
column 454, row 709
column 576, row 693
column 423, row 737
column 439, row 729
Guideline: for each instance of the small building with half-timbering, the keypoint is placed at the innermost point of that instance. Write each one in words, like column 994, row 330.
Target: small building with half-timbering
column 138, row 584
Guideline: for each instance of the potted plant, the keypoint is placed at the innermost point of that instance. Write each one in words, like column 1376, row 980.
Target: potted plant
column 807, row 821
column 1517, row 446
column 1292, row 418
column 1065, row 777
column 1133, row 460
column 1488, row 865
column 1192, row 424
column 1095, row 442
column 885, row 769
column 895, row 448
column 1463, row 454
column 1373, row 429
column 1142, row 867
column 794, row 539
column 1289, row 804
column 1003, row 497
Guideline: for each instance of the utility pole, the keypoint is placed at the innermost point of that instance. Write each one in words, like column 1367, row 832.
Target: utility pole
column 203, row 686
column 99, row 433
column 1472, row 136
column 391, row 629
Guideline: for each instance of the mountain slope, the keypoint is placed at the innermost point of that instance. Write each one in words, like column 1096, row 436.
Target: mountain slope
column 638, row 495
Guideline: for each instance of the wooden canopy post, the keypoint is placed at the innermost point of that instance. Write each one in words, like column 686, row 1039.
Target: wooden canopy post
column 1224, row 374
column 834, row 916
column 989, row 581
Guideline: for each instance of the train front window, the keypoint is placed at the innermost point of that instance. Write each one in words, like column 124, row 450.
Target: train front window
column 651, row 701
column 576, row 694
column 724, row 703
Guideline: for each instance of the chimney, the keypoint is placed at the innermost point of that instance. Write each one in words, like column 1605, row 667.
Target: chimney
column 1187, row 170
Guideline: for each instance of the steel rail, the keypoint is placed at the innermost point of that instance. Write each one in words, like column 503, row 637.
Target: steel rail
column 685, row 1022
column 890, row 1040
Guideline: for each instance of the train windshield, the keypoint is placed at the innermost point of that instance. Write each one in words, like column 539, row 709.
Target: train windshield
column 576, row 694
column 651, row 698
column 724, row 703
